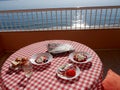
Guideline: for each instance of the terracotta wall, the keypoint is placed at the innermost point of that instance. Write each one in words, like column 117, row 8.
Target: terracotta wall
column 96, row 39
column 1, row 48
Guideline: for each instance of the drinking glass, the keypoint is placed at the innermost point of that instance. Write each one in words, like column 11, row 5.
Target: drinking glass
column 27, row 68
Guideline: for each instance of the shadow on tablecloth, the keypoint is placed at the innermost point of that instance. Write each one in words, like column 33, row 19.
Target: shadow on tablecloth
column 41, row 67
column 83, row 66
column 67, row 81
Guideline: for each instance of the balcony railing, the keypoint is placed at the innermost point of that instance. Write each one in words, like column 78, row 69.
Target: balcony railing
column 77, row 18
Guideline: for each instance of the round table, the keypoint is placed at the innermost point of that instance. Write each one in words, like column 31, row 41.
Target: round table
column 44, row 77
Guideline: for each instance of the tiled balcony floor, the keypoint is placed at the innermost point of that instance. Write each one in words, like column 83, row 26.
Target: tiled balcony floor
column 110, row 59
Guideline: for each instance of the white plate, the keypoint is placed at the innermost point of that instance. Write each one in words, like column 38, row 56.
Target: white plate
column 35, row 56
column 17, row 68
column 71, row 55
column 69, row 78
column 61, row 49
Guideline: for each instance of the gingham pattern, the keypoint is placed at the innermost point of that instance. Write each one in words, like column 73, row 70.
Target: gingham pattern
column 44, row 77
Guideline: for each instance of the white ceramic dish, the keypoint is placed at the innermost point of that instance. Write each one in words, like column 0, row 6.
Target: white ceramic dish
column 69, row 78
column 17, row 68
column 71, row 55
column 35, row 56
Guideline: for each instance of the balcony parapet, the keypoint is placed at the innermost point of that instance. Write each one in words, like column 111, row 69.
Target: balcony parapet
column 71, row 18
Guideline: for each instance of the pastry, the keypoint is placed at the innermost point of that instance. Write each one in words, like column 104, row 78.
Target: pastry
column 15, row 64
column 80, row 57
column 18, row 62
column 41, row 59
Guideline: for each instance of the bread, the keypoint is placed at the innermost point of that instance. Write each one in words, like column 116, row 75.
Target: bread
column 15, row 64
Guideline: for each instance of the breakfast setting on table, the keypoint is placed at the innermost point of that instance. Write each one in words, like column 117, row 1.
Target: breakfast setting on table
column 67, row 71
column 57, row 65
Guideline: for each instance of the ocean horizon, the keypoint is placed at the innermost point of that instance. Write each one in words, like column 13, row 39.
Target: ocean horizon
column 33, row 4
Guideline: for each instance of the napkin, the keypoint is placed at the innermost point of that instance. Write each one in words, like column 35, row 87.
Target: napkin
column 59, row 48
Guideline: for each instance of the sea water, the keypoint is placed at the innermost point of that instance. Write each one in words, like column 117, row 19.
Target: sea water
column 33, row 20
column 56, row 20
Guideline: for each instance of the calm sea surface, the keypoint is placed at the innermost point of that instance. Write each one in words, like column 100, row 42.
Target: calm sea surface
column 26, row 21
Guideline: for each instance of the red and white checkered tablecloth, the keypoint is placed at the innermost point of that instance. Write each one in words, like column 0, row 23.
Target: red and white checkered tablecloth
column 44, row 77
